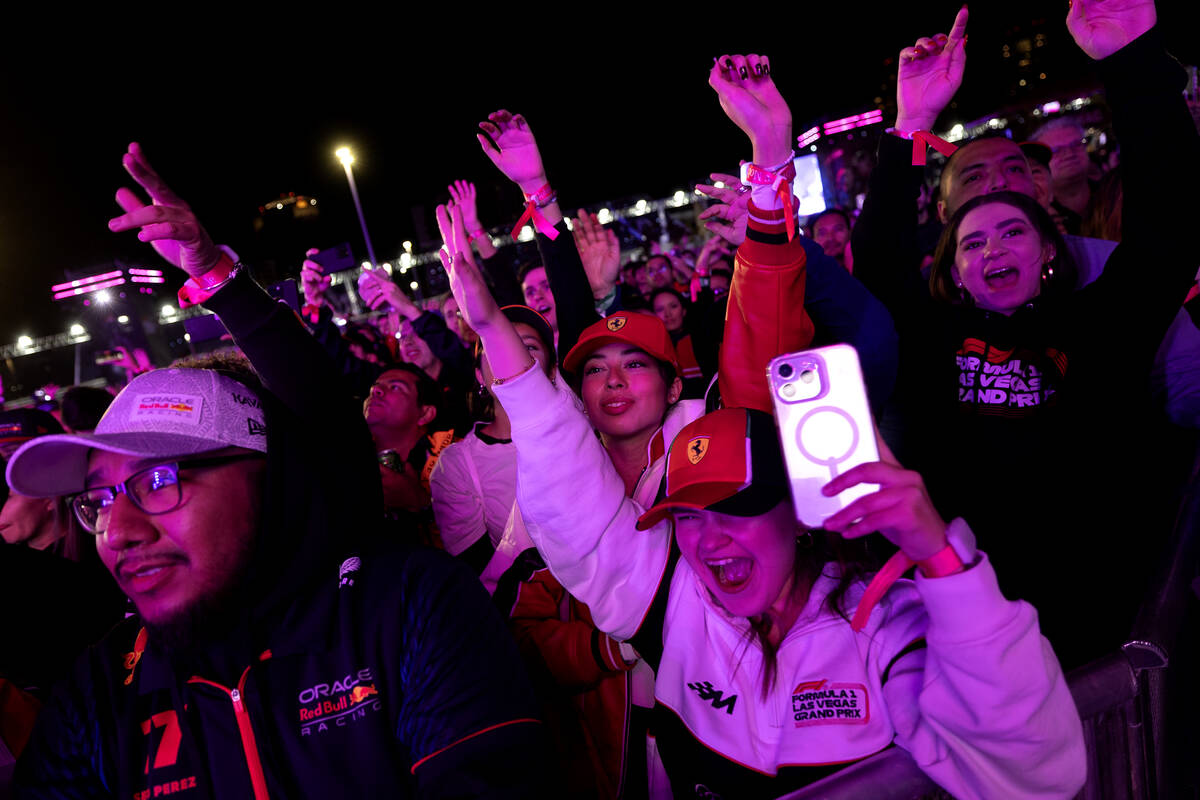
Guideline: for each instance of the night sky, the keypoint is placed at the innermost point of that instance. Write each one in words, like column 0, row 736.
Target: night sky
column 235, row 112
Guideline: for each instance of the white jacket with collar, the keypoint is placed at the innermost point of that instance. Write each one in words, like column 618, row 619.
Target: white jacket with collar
column 983, row 708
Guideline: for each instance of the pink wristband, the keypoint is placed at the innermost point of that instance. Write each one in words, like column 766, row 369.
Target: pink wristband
column 542, row 197
column 218, row 273
column 198, row 289
column 533, row 205
column 942, row 563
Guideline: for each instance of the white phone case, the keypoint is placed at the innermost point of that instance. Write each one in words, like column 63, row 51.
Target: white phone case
column 824, row 425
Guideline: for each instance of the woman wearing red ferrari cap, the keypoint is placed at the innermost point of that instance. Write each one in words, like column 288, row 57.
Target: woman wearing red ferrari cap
column 626, row 366
column 762, row 683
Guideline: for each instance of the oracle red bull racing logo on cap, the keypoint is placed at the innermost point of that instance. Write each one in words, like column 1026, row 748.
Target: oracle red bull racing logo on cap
column 183, row 408
column 348, row 699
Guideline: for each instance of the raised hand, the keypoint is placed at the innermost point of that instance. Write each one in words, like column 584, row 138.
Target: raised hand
column 930, row 73
column 599, row 251
column 313, row 280
column 462, row 194
column 475, row 301
column 379, row 291
column 168, row 223
column 728, row 218
column 901, row 510
column 1102, row 28
column 749, row 98
column 509, row 143
column 715, row 248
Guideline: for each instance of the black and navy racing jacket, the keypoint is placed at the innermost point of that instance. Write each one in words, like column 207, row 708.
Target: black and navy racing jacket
column 386, row 674
column 399, row 682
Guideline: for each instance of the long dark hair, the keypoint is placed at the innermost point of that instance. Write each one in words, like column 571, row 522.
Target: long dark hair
column 815, row 551
column 1061, row 270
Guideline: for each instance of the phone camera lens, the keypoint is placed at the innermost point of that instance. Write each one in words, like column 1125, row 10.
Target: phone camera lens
column 807, row 376
column 785, row 370
column 788, row 390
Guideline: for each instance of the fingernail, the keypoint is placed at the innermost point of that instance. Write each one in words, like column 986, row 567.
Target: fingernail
column 714, row 59
column 766, row 69
column 758, row 69
column 742, row 72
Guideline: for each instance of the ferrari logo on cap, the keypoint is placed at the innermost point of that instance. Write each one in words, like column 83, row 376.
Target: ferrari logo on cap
column 615, row 324
column 696, row 449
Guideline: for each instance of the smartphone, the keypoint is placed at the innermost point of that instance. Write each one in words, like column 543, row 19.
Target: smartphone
column 824, row 425
column 335, row 259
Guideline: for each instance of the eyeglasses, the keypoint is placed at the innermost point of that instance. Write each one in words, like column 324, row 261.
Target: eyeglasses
column 155, row 490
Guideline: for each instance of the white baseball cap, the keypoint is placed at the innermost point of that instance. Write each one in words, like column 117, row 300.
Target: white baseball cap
column 167, row 413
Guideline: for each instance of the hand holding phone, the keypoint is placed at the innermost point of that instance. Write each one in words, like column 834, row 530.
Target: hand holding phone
column 901, row 509
column 825, row 427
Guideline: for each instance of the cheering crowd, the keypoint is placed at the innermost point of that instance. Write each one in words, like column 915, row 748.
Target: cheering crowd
column 538, row 538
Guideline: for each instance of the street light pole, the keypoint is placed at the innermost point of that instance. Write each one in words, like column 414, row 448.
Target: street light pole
column 347, row 158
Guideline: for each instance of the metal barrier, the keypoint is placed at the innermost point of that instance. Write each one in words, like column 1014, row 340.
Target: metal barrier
column 1142, row 743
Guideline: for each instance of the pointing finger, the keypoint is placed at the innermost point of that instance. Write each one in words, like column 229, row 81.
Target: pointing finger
column 128, row 200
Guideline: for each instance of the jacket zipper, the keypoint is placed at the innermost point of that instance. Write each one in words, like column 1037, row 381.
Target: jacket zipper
column 257, row 779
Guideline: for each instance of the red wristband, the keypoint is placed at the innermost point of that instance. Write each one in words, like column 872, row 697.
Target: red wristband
column 921, row 139
column 542, row 197
column 780, row 180
column 533, row 205
column 217, row 274
column 196, row 290
column 942, row 563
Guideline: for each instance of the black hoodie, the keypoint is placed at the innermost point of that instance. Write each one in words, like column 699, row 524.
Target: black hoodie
column 358, row 668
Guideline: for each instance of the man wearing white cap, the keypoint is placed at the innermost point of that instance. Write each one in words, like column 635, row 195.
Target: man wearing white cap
column 280, row 648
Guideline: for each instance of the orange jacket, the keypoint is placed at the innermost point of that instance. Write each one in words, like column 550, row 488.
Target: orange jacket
column 765, row 315
column 586, row 682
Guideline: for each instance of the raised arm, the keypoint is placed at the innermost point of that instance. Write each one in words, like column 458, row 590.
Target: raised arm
column 269, row 333
column 600, row 253
column 884, row 241
column 358, row 374
column 498, row 268
column 510, row 145
column 462, row 194
column 1150, row 116
column 765, row 313
column 574, row 507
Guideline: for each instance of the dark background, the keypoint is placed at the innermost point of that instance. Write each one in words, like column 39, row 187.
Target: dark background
column 235, row 110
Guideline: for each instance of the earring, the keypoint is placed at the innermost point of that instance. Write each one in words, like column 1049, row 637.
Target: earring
column 804, row 540
column 1047, row 271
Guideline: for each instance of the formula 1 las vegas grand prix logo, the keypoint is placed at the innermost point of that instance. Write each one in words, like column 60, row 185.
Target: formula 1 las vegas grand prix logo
column 343, row 702
column 825, row 702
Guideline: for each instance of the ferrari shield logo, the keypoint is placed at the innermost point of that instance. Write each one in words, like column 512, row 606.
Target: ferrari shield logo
column 696, row 449
column 615, row 324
